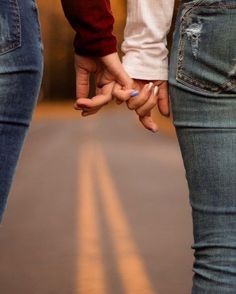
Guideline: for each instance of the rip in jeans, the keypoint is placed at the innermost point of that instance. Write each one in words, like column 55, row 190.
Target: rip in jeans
column 4, row 29
column 193, row 32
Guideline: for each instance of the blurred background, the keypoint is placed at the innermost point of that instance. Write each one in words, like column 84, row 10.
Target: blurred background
column 58, row 36
column 99, row 205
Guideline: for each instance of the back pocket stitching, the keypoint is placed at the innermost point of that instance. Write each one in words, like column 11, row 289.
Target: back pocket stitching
column 181, row 76
column 15, row 30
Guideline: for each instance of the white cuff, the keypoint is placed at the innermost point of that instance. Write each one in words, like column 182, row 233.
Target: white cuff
column 152, row 69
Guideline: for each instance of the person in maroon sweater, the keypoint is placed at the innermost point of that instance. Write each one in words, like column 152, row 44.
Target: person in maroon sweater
column 96, row 52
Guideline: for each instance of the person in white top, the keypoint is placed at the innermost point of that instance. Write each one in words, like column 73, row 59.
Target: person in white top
column 145, row 39
column 199, row 81
column 146, row 57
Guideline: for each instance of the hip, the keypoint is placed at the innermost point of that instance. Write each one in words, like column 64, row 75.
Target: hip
column 202, row 75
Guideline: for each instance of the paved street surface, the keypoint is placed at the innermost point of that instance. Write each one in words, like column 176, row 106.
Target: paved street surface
column 98, row 206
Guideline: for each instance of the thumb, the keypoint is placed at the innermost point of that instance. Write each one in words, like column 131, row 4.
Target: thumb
column 114, row 66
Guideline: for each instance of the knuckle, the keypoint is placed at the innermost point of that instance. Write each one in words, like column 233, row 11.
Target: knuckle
column 131, row 101
column 119, row 99
column 130, row 106
column 140, row 112
column 152, row 100
column 153, row 104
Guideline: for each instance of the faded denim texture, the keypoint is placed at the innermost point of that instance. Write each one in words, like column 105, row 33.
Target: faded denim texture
column 202, row 84
column 20, row 79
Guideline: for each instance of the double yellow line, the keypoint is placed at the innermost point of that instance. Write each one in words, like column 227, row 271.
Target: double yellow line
column 90, row 273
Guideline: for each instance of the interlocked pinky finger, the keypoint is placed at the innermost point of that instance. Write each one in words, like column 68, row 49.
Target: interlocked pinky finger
column 122, row 94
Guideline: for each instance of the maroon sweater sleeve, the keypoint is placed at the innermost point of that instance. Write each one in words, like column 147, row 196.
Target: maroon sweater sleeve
column 93, row 22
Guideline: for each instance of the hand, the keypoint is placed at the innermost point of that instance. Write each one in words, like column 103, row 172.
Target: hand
column 150, row 94
column 107, row 70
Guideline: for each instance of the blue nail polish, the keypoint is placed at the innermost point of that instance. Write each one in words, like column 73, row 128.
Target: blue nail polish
column 134, row 94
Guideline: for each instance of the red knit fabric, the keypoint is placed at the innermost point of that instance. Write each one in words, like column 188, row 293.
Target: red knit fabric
column 93, row 22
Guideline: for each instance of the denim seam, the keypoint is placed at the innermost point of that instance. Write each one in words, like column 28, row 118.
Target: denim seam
column 35, row 7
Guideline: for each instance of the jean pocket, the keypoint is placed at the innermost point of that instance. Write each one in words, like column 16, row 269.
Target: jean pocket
column 10, row 27
column 206, row 58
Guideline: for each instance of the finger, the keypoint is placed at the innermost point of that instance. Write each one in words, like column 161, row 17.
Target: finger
column 150, row 104
column 87, row 113
column 122, row 94
column 82, row 83
column 84, row 108
column 93, row 103
column 148, row 123
column 103, row 97
column 80, row 107
column 118, row 102
column 141, row 99
column 163, row 100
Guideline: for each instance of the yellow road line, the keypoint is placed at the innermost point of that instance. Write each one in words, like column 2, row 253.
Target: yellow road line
column 90, row 272
column 133, row 275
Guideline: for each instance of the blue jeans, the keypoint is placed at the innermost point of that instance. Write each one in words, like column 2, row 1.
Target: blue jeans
column 20, row 79
column 202, row 85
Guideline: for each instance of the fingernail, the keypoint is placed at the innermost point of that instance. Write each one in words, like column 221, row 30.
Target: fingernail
column 155, row 91
column 150, row 86
column 154, row 130
column 81, row 105
column 134, row 93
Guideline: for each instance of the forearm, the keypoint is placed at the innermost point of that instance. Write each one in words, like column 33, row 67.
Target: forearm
column 148, row 23
column 93, row 22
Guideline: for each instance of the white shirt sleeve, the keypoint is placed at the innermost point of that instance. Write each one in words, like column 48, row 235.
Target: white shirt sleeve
column 144, row 46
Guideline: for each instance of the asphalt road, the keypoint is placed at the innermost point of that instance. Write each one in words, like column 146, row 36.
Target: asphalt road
column 98, row 206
